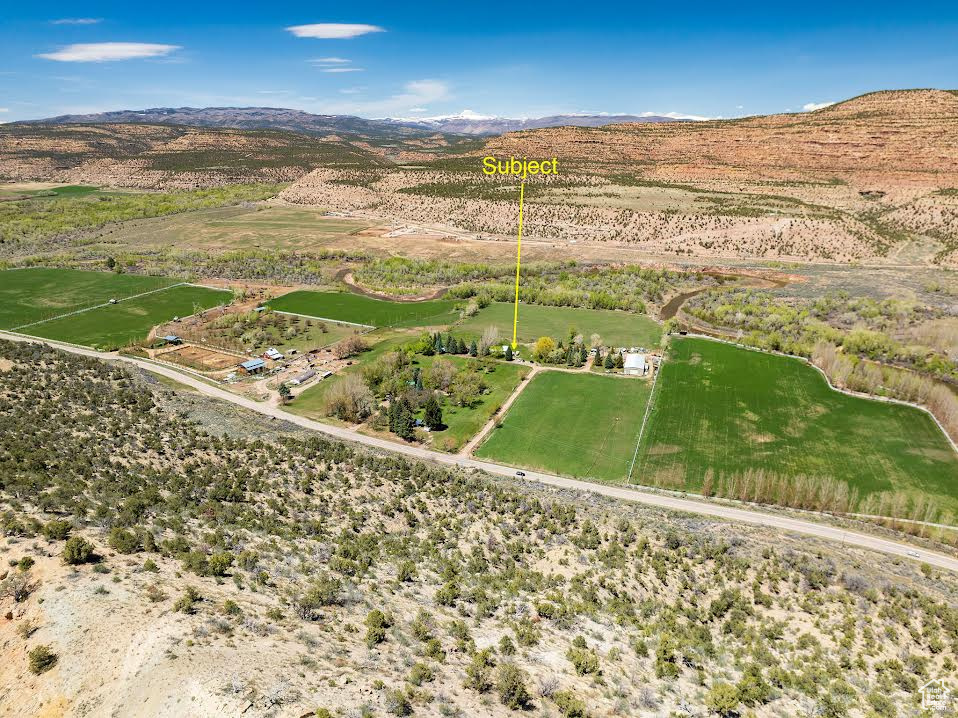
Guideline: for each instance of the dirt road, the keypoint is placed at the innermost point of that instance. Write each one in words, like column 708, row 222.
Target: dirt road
column 627, row 493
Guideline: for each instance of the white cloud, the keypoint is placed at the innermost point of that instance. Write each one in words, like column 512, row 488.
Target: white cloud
column 418, row 93
column 4, row 109
column 352, row 90
column 342, row 69
column 108, row 51
column 812, row 106
column 333, row 31
column 77, row 21
column 330, row 61
column 678, row 116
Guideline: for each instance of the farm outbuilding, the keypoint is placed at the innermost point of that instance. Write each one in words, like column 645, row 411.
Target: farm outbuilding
column 303, row 378
column 172, row 339
column 634, row 365
column 253, row 366
column 273, row 353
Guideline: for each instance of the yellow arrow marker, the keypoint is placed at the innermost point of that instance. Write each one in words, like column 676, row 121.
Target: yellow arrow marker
column 515, row 318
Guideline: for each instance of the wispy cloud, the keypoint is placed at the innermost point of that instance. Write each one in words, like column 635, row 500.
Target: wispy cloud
column 418, row 93
column 352, row 90
column 342, row 69
column 4, row 109
column 678, row 116
column 108, row 51
column 330, row 61
column 333, row 31
column 77, row 21
column 812, row 106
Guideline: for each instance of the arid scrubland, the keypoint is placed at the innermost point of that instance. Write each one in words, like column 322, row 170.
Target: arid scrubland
column 158, row 563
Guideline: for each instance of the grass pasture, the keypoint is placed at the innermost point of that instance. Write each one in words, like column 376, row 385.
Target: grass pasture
column 117, row 325
column 240, row 228
column 35, row 294
column 355, row 308
column 615, row 328
column 579, row 425
column 729, row 409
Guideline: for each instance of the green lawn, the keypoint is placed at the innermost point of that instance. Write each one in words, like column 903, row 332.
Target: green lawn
column 579, row 425
column 119, row 324
column 615, row 328
column 31, row 295
column 461, row 423
column 346, row 307
column 729, row 409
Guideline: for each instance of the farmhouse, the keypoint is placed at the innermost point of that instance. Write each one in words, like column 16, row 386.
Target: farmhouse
column 303, row 378
column 273, row 353
column 253, row 366
column 634, row 365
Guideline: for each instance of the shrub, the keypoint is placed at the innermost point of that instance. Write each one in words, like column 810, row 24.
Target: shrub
column 511, row 686
column 219, row 564
column 420, row 673
column 324, row 591
column 15, row 586
column 479, row 671
column 723, row 699
column 41, row 659
column 376, row 624
column 123, row 541
column 57, row 529
column 25, row 563
column 569, row 705
column 77, row 550
column 397, row 703
column 323, row 713
column 584, row 659
column 406, row 572
column 187, row 602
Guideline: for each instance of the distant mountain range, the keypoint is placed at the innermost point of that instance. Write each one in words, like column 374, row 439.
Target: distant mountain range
column 272, row 118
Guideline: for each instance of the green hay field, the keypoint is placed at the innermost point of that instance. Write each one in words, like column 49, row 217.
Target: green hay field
column 117, row 325
column 579, row 425
column 729, row 409
column 32, row 295
column 345, row 307
column 615, row 328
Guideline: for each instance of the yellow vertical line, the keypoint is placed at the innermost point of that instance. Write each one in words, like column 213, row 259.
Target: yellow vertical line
column 515, row 317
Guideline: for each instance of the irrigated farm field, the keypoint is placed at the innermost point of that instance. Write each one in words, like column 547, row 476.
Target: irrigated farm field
column 731, row 410
column 32, row 295
column 579, row 425
column 355, row 308
column 116, row 325
column 615, row 328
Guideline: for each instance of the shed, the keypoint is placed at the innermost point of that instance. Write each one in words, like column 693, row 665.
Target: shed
column 273, row 353
column 302, row 378
column 253, row 366
column 634, row 365
column 172, row 339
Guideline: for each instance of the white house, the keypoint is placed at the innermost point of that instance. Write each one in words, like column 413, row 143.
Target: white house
column 634, row 365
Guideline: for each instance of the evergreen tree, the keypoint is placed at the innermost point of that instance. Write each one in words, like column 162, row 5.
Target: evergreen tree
column 473, row 349
column 403, row 421
column 618, row 361
column 417, row 378
column 437, row 344
column 508, row 352
column 609, row 362
column 433, row 413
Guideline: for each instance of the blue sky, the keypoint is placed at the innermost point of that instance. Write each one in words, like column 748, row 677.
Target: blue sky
column 430, row 58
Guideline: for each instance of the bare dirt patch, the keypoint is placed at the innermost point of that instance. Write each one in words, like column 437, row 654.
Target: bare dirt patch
column 198, row 357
